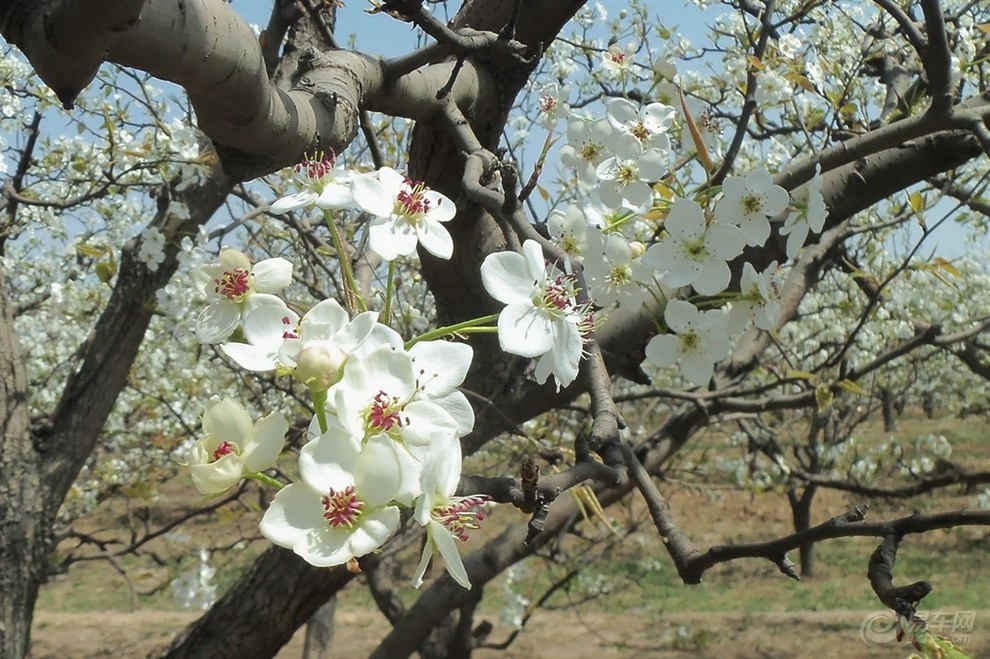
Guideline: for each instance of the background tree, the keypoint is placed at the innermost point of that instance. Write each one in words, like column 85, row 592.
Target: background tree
column 884, row 99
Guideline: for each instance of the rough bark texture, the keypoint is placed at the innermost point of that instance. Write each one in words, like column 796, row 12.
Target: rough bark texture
column 38, row 466
column 23, row 517
column 801, row 513
column 319, row 632
column 261, row 612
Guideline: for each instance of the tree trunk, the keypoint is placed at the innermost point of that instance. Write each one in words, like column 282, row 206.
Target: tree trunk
column 887, row 404
column 24, row 520
column 38, row 466
column 319, row 631
column 928, row 405
column 801, row 513
column 260, row 613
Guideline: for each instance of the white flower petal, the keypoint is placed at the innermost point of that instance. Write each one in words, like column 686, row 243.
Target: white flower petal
column 505, row 278
column 249, row 357
column 525, row 330
column 272, row 275
column 424, row 562
column 216, row 477
column 435, row 239
column 292, row 202
column 375, row 529
column 328, row 461
column 697, row 368
column 426, row 421
column 264, row 443
column 441, row 366
column 227, row 420
column 391, row 239
column 378, row 471
column 714, row 277
column 295, row 511
column 325, row 546
column 686, row 220
column 663, row 350
column 457, row 406
column 447, row 547
column 217, row 321
column 371, row 196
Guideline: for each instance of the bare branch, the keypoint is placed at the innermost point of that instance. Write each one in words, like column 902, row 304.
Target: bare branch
column 902, row 599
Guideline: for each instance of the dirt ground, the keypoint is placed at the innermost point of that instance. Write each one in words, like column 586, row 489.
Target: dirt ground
column 74, row 619
column 594, row 636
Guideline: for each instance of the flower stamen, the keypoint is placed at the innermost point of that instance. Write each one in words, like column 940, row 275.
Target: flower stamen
column 233, row 284
column 384, row 414
column 461, row 515
column 342, row 508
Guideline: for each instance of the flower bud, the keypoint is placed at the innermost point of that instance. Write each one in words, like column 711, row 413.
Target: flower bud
column 320, row 364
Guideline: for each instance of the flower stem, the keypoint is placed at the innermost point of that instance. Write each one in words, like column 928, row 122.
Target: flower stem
column 473, row 326
column 351, row 295
column 267, row 480
column 389, row 286
column 320, row 403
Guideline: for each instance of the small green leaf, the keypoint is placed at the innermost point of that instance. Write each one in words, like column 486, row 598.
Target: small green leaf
column 852, row 387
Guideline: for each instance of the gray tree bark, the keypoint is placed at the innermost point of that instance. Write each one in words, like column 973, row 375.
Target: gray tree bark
column 38, row 465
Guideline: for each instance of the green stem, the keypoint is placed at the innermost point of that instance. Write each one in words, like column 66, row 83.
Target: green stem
column 387, row 313
column 351, row 294
column 267, row 480
column 473, row 326
column 320, row 403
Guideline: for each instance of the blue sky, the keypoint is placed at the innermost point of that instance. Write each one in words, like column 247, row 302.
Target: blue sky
column 383, row 35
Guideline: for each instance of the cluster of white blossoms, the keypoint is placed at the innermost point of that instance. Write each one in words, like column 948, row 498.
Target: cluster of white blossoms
column 385, row 435
column 405, row 212
column 389, row 415
column 543, row 317
column 630, row 257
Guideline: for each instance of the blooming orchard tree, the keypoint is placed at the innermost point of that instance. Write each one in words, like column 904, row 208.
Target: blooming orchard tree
column 330, row 252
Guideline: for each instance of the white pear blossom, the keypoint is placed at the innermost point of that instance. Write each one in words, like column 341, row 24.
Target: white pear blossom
column 749, row 202
column 569, row 228
column 626, row 176
column 700, row 341
column 235, row 287
column 759, row 299
column 810, row 219
column 342, row 506
column 586, row 146
column 618, row 61
column 234, row 446
column 378, row 396
column 325, row 329
column 541, row 316
column 613, row 270
column 406, row 213
column 788, row 45
column 323, row 187
column 648, row 124
column 313, row 348
column 772, row 88
column 552, row 104
column 695, row 252
column 447, row 518
column 152, row 249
